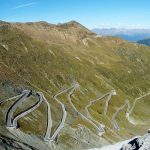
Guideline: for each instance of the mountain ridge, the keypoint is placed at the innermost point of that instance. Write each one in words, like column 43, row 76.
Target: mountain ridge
column 51, row 63
column 144, row 41
column 71, row 31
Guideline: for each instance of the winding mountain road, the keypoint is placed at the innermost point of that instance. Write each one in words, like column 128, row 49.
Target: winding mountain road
column 12, row 122
column 75, row 109
column 106, row 108
column 112, row 93
column 28, row 110
column 131, row 109
column 9, row 116
column 114, row 122
column 128, row 112
column 89, row 116
column 64, row 115
column 100, row 126
column 49, row 120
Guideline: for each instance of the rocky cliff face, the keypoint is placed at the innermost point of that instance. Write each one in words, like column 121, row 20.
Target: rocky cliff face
column 52, row 59
column 141, row 143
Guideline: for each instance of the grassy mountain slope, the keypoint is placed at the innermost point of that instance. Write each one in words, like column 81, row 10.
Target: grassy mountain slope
column 47, row 58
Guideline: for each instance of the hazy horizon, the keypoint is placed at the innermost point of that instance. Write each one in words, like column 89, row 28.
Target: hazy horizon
column 127, row 28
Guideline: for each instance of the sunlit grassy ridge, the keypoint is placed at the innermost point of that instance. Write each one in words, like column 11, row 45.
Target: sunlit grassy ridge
column 48, row 57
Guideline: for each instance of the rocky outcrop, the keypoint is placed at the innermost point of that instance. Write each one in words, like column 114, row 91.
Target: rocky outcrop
column 139, row 143
column 7, row 143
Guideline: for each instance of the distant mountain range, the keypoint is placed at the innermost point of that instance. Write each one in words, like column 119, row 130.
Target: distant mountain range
column 145, row 41
column 127, row 34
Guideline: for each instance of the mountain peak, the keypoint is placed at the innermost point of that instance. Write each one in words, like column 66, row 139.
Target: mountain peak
column 62, row 32
column 72, row 22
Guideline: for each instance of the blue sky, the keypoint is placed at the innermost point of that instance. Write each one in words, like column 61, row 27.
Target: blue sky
column 91, row 13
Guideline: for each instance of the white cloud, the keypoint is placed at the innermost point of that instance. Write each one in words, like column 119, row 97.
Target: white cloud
column 24, row 5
